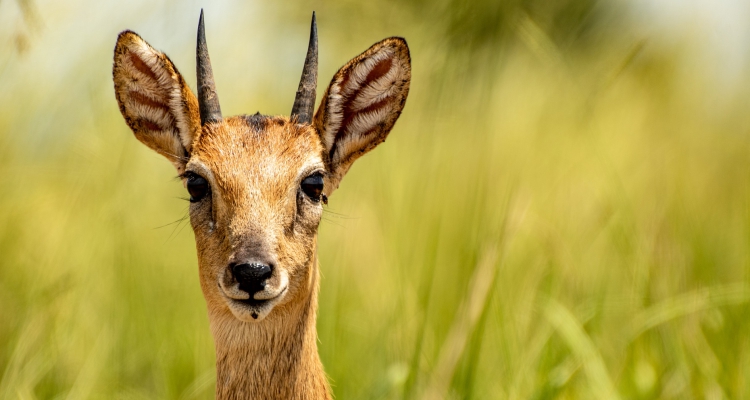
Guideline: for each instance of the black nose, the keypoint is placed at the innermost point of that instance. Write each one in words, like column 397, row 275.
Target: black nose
column 251, row 277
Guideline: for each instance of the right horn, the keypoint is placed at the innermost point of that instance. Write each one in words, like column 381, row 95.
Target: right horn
column 304, row 102
column 208, row 100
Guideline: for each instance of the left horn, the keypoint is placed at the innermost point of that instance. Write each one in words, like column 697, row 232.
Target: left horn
column 208, row 100
column 304, row 102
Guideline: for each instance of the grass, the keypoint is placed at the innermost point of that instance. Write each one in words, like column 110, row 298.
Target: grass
column 576, row 228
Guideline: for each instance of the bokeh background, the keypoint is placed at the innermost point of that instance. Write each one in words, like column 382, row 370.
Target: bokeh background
column 560, row 213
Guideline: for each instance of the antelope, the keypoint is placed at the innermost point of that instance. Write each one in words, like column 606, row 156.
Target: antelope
column 257, row 186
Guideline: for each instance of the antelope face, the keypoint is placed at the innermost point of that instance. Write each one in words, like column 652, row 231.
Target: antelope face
column 257, row 184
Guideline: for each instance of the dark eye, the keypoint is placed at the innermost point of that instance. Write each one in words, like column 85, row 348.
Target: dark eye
column 313, row 186
column 197, row 187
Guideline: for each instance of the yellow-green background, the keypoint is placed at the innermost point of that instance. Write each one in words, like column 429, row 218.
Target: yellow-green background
column 560, row 213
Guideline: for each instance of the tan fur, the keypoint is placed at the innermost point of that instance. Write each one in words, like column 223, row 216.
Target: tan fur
column 256, row 210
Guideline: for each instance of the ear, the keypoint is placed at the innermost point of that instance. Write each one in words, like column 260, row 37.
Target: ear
column 154, row 99
column 363, row 101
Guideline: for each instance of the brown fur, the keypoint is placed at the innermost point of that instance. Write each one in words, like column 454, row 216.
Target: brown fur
column 255, row 210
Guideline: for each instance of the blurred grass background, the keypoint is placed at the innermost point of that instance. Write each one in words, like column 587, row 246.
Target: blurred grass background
column 560, row 213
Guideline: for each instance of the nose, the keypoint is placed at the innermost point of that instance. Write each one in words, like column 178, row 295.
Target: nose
column 251, row 277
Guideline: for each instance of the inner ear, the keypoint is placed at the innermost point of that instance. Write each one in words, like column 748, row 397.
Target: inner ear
column 362, row 103
column 154, row 99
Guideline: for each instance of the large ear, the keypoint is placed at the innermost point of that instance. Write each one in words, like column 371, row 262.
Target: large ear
column 363, row 101
column 154, row 99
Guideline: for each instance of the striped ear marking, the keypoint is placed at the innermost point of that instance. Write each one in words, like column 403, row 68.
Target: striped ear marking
column 154, row 99
column 362, row 103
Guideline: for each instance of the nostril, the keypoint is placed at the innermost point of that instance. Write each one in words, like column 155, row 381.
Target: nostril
column 251, row 277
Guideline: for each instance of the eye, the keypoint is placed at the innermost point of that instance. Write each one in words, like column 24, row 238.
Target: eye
column 197, row 186
column 313, row 186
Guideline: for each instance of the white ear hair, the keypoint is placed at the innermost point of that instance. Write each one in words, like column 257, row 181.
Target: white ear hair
column 362, row 103
column 154, row 99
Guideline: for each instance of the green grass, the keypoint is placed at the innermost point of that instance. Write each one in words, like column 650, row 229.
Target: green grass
column 559, row 222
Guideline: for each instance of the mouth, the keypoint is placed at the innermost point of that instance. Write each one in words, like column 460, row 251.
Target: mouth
column 258, row 303
column 252, row 308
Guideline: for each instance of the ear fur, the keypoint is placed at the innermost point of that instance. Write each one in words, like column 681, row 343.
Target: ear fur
column 154, row 99
column 363, row 101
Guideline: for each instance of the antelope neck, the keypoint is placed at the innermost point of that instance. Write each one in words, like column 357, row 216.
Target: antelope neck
column 276, row 358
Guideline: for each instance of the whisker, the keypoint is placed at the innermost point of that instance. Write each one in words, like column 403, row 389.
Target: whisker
column 181, row 227
column 174, row 156
column 332, row 222
column 177, row 225
column 173, row 222
column 335, row 214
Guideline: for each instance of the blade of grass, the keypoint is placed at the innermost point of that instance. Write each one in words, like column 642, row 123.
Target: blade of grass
column 689, row 303
column 583, row 347
column 424, row 296
column 466, row 319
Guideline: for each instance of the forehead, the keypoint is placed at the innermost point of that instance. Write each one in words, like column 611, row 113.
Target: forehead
column 257, row 147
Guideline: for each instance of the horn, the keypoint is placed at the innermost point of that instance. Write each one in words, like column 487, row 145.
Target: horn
column 304, row 102
column 208, row 100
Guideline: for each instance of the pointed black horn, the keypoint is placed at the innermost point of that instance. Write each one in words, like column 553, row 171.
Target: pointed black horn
column 208, row 100
column 304, row 102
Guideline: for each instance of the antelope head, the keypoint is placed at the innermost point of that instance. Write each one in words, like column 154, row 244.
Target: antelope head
column 257, row 183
